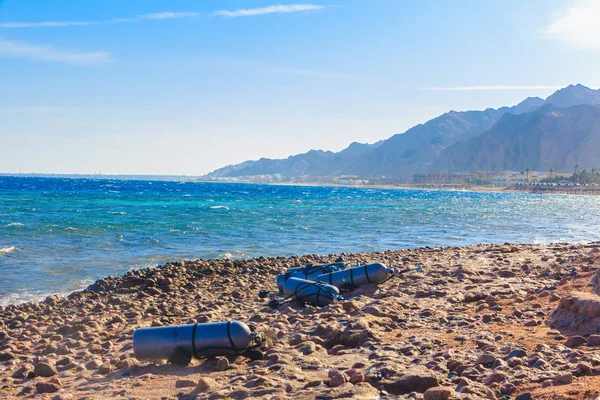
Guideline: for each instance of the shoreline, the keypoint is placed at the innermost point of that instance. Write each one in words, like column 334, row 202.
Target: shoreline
column 451, row 329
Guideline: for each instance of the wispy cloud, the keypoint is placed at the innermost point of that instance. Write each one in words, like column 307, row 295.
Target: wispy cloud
column 169, row 15
column 313, row 73
column 144, row 17
column 46, row 24
column 15, row 49
column 577, row 25
column 492, row 87
column 250, row 12
column 166, row 15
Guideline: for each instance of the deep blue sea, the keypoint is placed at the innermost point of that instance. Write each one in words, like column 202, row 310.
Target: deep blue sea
column 59, row 235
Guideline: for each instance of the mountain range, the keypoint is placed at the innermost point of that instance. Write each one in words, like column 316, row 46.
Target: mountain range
column 555, row 133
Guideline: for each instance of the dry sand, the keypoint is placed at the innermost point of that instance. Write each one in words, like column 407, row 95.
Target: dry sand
column 482, row 321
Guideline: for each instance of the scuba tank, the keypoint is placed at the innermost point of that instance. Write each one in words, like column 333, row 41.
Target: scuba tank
column 314, row 293
column 309, row 272
column 362, row 275
column 182, row 342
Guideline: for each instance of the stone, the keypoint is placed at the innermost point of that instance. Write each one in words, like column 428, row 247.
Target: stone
column 437, row 393
column 23, row 371
column 583, row 369
column 183, row 383
column 594, row 339
column 416, row 380
column 508, row 388
column 517, row 353
column 104, row 369
column 51, row 386
column 338, row 379
column 93, row 364
column 495, row 377
column 44, row 369
column 524, row 396
column 575, row 341
column 222, row 364
column 506, row 273
column 486, row 359
column 206, row 384
column 563, row 379
column 357, row 377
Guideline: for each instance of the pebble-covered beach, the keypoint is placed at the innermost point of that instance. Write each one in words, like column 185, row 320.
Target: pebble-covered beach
column 481, row 322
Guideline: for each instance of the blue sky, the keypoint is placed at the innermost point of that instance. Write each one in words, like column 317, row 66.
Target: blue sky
column 185, row 87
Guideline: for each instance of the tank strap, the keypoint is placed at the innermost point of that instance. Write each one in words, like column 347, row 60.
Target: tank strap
column 331, row 278
column 367, row 274
column 230, row 339
column 352, row 277
column 194, row 339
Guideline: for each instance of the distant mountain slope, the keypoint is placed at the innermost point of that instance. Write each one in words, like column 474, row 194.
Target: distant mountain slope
column 411, row 152
column 415, row 151
column 548, row 138
column 574, row 95
column 313, row 163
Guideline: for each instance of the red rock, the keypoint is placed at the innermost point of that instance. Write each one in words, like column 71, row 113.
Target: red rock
column 48, row 387
column 437, row 393
column 563, row 379
column 338, row 379
column 206, row 384
column 575, row 341
column 44, row 369
column 182, row 383
column 594, row 339
column 357, row 377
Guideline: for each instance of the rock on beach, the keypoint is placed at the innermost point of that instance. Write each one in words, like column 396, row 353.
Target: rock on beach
column 482, row 321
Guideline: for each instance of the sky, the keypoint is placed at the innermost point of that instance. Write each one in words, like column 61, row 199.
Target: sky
column 183, row 87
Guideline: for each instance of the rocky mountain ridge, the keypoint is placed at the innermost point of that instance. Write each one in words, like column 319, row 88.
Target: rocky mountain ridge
column 445, row 143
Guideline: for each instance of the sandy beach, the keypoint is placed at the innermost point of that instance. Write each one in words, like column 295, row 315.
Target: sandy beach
column 486, row 321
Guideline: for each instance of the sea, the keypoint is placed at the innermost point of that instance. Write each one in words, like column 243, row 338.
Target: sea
column 58, row 235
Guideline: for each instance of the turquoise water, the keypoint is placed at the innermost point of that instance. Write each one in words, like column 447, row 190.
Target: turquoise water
column 59, row 235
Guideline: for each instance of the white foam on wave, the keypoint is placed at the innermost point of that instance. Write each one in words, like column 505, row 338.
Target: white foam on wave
column 26, row 297
column 218, row 207
column 14, row 224
column 7, row 249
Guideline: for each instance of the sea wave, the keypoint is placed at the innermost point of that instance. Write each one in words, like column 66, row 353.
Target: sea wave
column 25, row 296
column 15, row 224
column 218, row 207
column 7, row 250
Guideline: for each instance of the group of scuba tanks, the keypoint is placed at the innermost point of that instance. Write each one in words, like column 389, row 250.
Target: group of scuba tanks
column 319, row 285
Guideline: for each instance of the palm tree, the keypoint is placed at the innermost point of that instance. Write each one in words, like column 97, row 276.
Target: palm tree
column 527, row 173
column 551, row 173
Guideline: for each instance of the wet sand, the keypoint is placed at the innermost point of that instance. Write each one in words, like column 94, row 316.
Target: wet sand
column 481, row 321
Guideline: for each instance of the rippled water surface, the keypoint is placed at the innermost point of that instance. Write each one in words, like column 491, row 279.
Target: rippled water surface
column 58, row 235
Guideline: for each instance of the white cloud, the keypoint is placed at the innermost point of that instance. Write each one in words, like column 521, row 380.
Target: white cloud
column 269, row 10
column 308, row 72
column 168, row 15
column 14, row 49
column 577, row 25
column 493, row 87
column 46, row 24
column 60, row 24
